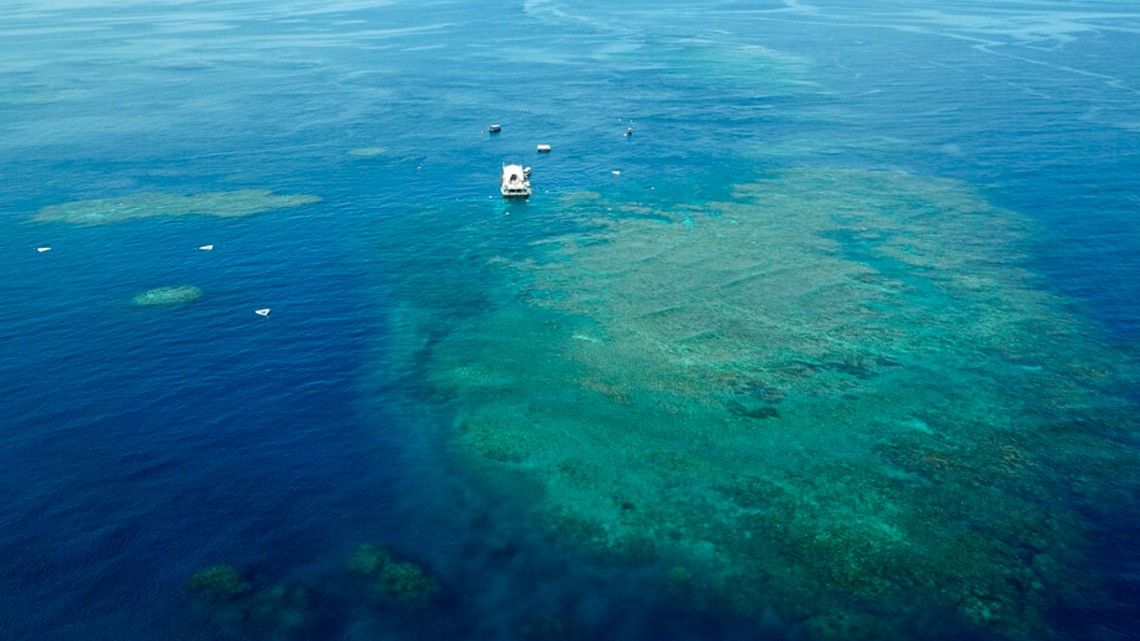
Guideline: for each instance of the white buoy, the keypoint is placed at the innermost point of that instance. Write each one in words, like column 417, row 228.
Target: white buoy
column 261, row 312
column 206, row 248
column 43, row 249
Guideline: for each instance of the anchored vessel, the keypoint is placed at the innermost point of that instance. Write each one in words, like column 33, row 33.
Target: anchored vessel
column 515, row 181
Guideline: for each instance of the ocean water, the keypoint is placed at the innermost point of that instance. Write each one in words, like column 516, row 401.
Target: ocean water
column 840, row 343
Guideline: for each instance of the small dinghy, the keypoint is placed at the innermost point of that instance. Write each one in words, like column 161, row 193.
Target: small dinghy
column 261, row 312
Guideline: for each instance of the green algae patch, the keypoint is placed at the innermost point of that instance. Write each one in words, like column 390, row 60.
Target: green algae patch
column 223, row 204
column 840, row 396
column 168, row 296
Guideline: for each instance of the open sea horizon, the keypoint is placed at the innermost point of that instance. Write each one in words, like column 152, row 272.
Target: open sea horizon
column 452, row 421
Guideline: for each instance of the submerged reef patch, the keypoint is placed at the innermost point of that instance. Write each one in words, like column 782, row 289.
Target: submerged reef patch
column 160, row 296
column 367, row 152
column 224, row 204
column 219, row 582
column 395, row 582
column 227, row 605
column 23, row 96
column 836, row 397
column 375, row 588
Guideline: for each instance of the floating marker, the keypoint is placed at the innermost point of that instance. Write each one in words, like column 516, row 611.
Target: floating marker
column 43, row 249
column 206, row 248
column 261, row 312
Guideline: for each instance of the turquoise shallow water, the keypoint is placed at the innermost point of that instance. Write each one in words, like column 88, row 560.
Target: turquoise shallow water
column 141, row 444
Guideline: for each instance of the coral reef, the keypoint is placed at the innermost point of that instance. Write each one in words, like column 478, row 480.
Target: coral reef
column 835, row 395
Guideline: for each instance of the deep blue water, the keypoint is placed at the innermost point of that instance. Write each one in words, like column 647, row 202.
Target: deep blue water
column 138, row 445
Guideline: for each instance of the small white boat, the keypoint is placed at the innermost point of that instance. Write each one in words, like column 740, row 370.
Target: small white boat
column 515, row 182
column 544, row 148
column 495, row 129
column 43, row 249
column 261, row 312
column 207, row 248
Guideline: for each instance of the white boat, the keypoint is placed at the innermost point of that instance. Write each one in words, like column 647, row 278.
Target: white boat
column 515, row 182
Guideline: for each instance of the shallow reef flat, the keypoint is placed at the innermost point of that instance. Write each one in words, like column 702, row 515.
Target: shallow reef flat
column 839, row 396
column 224, row 204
